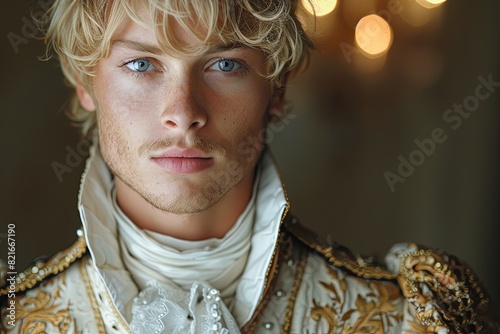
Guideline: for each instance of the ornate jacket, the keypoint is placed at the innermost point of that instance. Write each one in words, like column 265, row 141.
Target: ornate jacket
column 308, row 285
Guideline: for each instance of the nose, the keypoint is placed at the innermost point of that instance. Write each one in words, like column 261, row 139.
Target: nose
column 183, row 110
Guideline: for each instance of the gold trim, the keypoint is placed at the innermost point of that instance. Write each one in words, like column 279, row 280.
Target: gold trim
column 41, row 270
column 249, row 327
column 464, row 303
column 269, row 271
column 109, row 301
column 93, row 301
column 335, row 256
column 272, row 268
column 295, row 289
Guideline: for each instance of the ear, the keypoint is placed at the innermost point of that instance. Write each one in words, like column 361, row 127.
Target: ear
column 86, row 99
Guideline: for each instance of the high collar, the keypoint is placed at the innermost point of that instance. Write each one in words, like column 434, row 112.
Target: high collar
column 100, row 231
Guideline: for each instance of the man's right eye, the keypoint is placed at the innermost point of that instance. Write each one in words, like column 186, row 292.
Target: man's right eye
column 140, row 65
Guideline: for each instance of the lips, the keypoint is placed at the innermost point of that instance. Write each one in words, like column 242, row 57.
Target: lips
column 183, row 161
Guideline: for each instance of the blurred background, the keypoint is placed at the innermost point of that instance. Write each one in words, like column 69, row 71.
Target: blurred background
column 390, row 139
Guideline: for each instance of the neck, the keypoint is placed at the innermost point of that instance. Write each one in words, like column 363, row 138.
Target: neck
column 214, row 222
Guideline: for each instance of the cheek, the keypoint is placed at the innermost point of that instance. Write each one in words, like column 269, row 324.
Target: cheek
column 244, row 109
column 124, row 107
column 254, row 110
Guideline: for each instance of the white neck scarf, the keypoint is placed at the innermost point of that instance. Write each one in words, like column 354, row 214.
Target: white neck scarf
column 162, row 265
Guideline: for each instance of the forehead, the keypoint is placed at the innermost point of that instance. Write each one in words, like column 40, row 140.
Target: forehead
column 176, row 35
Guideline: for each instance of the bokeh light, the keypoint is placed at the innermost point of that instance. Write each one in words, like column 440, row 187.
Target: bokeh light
column 373, row 36
column 319, row 7
column 430, row 3
column 418, row 15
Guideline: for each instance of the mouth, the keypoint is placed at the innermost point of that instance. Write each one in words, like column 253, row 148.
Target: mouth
column 183, row 161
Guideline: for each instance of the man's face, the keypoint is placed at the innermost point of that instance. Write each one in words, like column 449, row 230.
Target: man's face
column 181, row 132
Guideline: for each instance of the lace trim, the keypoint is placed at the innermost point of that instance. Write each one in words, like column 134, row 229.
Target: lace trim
column 160, row 309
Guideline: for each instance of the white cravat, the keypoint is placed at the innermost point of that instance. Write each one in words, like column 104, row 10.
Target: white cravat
column 179, row 274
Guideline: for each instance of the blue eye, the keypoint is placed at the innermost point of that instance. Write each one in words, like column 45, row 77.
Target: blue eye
column 226, row 65
column 140, row 65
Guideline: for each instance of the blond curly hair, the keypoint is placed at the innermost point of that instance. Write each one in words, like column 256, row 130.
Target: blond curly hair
column 80, row 33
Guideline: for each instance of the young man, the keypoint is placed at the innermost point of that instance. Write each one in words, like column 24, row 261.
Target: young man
column 185, row 220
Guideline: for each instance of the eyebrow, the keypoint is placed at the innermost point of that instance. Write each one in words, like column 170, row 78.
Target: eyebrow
column 154, row 49
column 137, row 46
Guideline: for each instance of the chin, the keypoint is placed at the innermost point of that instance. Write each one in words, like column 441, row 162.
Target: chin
column 182, row 203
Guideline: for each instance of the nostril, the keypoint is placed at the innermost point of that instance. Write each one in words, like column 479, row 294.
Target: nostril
column 195, row 124
column 183, row 119
column 170, row 123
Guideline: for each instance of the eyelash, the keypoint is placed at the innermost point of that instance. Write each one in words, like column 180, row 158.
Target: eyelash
column 237, row 73
column 138, row 74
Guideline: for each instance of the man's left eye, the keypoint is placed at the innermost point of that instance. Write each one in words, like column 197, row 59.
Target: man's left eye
column 226, row 65
column 140, row 65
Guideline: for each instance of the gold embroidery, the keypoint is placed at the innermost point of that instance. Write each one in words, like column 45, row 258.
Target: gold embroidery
column 41, row 270
column 281, row 245
column 415, row 325
column 295, row 289
column 463, row 302
column 93, row 301
column 106, row 305
column 270, row 276
column 338, row 256
column 37, row 313
column 366, row 323
column 368, row 312
column 271, row 268
column 318, row 312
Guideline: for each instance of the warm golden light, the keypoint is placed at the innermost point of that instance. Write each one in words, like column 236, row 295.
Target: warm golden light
column 319, row 7
column 373, row 36
column 430, row 3
column 418, row 15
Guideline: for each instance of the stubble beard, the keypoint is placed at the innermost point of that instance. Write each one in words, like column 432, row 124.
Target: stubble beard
column 183, row 204
column 192, row 202
column 189, row 202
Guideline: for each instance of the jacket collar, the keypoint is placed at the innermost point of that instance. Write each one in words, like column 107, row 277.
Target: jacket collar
column 100, row 230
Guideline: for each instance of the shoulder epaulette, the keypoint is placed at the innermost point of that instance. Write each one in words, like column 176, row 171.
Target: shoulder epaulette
column 445, row 292
column 43, row 269
column 336, row 254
